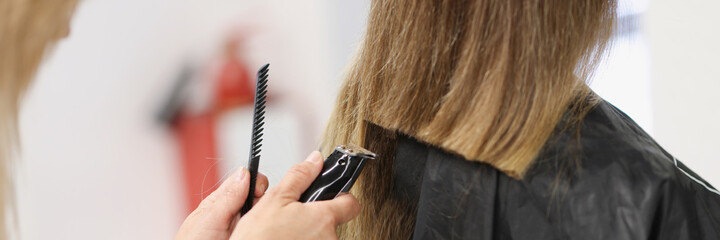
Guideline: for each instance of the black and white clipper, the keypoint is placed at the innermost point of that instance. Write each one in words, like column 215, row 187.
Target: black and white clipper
column 340, row 170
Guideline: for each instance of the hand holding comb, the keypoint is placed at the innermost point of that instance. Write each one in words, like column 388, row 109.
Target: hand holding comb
column 257, row 129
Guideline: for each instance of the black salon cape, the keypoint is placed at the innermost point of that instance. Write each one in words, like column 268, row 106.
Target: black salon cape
column 626, row 187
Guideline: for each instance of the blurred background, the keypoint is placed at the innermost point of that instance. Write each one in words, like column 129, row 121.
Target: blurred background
column 138, row 114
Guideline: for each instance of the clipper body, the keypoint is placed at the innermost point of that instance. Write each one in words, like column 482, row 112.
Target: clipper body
column 340, row 170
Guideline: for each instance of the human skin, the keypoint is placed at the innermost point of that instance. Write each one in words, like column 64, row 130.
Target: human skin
column 276, row 214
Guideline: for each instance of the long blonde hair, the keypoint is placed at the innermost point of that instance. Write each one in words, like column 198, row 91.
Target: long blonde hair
column 27, row 29
column 488, row 80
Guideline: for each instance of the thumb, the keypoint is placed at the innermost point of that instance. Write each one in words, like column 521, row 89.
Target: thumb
column 343, row 208
column 299, row 177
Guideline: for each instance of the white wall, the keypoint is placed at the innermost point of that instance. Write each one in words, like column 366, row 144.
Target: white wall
column 623, row 78
column 684, row 41
column 95, row 165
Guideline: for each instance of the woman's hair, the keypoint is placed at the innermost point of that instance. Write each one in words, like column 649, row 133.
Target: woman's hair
column 488, row 80
column 27, row 29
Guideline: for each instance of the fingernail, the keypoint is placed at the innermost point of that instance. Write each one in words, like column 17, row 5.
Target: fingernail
column 261, row 188
column 241, row 174
column 314, row 157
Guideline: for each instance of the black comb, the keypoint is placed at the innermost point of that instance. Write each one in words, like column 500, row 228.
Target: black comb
column 257, row 129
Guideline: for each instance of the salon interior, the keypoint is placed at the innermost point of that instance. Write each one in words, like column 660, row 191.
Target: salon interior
column 147, row 105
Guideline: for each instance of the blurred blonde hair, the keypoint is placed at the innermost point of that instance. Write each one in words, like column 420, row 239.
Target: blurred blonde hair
column 27, row 29
column 488, row 80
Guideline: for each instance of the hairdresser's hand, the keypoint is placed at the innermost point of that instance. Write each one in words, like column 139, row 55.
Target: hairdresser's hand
column 279, row 215
column 216, row 215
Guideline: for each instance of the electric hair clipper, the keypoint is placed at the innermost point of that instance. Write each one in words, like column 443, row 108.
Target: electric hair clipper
column 340, row 170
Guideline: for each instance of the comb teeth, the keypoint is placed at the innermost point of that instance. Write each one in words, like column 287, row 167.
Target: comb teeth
column 259, row 114
column 258, row 126
column 257, row 129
